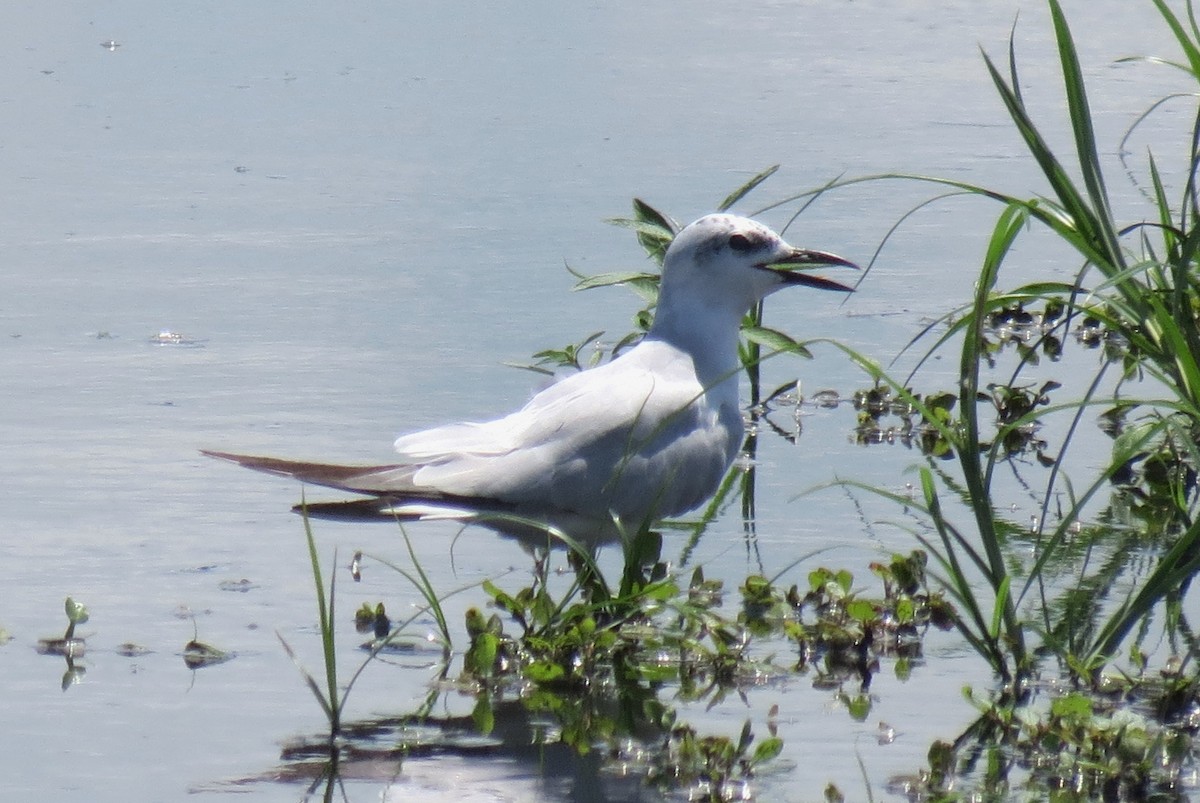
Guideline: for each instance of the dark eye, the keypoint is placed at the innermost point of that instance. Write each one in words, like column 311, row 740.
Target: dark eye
column 740, row 242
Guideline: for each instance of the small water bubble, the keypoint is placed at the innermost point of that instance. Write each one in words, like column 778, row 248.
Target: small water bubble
column 826, row 398
column 241, row 586
column 1034, row 524
column 167, row 338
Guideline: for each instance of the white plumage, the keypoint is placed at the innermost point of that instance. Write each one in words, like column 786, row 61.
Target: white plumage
column 646, row 436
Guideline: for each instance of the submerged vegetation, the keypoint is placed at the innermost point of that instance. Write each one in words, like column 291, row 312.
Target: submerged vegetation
column 598, row 671
column 1097, row 693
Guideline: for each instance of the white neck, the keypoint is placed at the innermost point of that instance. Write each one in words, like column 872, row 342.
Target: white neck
column 707, row 333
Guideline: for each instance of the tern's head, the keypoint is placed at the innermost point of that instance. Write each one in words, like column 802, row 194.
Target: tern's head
column 733, row 262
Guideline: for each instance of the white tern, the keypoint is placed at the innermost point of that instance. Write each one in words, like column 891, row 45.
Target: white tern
column 646, row 436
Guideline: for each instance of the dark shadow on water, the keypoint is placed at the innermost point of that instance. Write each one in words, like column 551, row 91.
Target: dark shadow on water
column 427, row 757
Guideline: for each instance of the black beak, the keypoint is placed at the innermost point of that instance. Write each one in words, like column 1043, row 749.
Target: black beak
column 793, row 266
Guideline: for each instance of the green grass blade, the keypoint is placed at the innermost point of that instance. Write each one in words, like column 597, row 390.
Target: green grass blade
column 1167, row 226
column 1002, row 602
column 309, row 680
column 1085, row 139
column 1186, row 43
column 957, row 580
column 1177, row 565
column 426, row 589
column 325, row 612
column 744, row 190
column 1013, row 76
column 1078, row 224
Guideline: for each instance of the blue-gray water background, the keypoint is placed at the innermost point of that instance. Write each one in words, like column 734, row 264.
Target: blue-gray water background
column 354, row 216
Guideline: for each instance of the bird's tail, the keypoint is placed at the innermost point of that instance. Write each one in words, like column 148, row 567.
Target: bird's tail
column 360, row 479
column 390, row 487
column 391, row 496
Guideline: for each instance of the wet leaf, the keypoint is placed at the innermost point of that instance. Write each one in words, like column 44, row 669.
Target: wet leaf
column 768, row 749
column 197, row 654
column 544, row 672
column 1072, row 706
column 746, row 738
column 646, row 213
column 481, row 657
column 73, row 675
column 859, row 707
column 861, row 610
column 833, row 794
column 742, row 191
column 483, row 716
column 77, row 613
column 638, row 279
column 775, row 340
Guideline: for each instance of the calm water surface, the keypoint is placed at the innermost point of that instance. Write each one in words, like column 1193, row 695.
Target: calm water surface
column 354, row 219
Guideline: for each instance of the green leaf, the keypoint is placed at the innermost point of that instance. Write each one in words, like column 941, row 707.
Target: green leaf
column 481, row 657
column 860, row 610
column 197, row 654
column 767, row 749
column 617, row 278
column 1001, row 604
column 658, row 673
column 746, row 738
column 742, row 191
column 844, row 579
column 1072, row 706
column 77, row 613
column 1008, row 226
column 775, row 340
column 1189, row 48
column 476, row 624
column 544, row 672
column 817, row 579
column 859, row 707
column 660, row 591
column 645, row 213
column 1085, row 137
column 483, row 716
column 655, row 231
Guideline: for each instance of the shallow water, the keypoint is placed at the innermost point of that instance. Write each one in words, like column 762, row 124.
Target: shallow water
column 353, row 219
